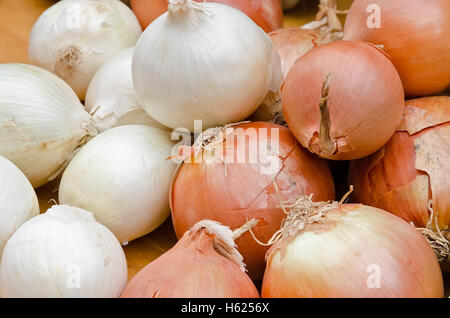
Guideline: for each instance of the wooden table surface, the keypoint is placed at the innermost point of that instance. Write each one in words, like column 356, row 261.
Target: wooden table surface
column 16, row 20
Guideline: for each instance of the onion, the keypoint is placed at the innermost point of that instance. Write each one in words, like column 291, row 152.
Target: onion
column 63, row 253
column 267, row 14
column 42, row 122
column 18, row 201
column 111, row 98
column 202, row 61
column 74, row 38
column 414, row 33
column 332, row 250
column 204, row 263
column 355, row 78
column 411, row 169
column 123, row 177
column 235, row 186
column 289, row 4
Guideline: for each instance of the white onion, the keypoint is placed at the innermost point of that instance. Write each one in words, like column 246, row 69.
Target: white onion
column 63, row 253
column 110, row 97
column 202, row 61
column 123, row 177
column 42, row 121
column 74, row 38
column 18, row 201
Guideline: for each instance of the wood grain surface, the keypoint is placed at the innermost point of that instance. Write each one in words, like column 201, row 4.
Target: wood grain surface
column 16, row 20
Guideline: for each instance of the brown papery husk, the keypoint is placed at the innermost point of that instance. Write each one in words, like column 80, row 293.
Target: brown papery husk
column 230, row 192
column 203, row 264
column 334, row 250
column 412, row 168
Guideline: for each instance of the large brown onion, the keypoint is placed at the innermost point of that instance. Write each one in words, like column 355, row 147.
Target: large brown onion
column 416, row 34
column 343, row 100
column 268, row 14
column 231, row 193
column 412, row 168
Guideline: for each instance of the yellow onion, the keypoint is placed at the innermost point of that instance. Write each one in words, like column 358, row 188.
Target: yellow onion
column 343, row 100
column 414, row 33
column 204, row 263
column 335, row 250
column 412, row 168
column 216, row 185
column 268, row 14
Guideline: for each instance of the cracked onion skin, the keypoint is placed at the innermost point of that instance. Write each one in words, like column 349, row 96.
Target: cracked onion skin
column 338, row 258
column 191, row 269
column 412, row 168
column 202, row 191
column 268, row 14
column 366, row 99
column 415, row 34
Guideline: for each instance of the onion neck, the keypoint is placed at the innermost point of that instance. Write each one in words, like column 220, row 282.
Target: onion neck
column 327, row 146
column 182, row 6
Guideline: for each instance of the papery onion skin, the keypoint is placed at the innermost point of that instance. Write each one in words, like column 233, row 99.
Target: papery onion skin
column 42, row 121
column 393, row 179
column 291, row 44
column 224, row 67
column 416, row 36
column 366, row 99
column 74, row 38
column 123, row 177
column 18, row 201
column 202, row 191
column 267, row 14
column 191, row 269
column 63, row 253
column 111, row 99
column 347, row 252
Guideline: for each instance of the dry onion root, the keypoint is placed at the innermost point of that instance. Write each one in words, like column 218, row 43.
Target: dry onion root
column 334, row 250
column 204, row 263
column 213, row 184
column 411, row 169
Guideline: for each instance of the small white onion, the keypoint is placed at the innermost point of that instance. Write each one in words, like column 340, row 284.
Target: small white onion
column 202, row 61
column 18, row 201
column 123, row 177
column 42, row 121
column 74, row 38
column 110, row 97
column 63, row 253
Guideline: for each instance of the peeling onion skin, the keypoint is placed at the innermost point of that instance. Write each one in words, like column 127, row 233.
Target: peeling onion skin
column 390, row 180
column 191, row 269
column 268, row 14
column 336, row 258
column 415, row 34
column 202, row 191
column 366, row 98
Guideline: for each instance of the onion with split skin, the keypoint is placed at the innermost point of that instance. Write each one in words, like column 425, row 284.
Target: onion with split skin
column 268, row 14
column 412, row 169
column 343, row 100
column 204, row 263
column 231, row 191
column 333, row 250
column 414, row 33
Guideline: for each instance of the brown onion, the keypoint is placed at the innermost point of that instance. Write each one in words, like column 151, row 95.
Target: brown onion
column 204, row 263
column 336, row 250
column 412, row 168
column 414, row 33
column 268, row 14
column 343, row 100
column 231, row 193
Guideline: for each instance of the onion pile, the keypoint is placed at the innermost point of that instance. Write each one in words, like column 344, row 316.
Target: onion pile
column 204, row 263
column 333, row 250
column 415, row 34
column 243, row 175
column 267, row 14
column 412, row 169
column 335, row 80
